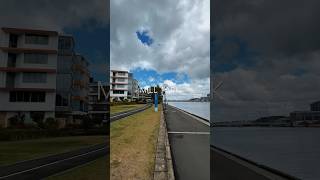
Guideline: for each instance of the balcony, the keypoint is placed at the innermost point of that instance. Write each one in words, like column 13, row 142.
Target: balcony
column 28, row 50
column 15, row 69
column 31, row 31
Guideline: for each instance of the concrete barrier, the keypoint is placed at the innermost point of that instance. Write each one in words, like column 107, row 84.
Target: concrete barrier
column 163, row 169
column 227, row 166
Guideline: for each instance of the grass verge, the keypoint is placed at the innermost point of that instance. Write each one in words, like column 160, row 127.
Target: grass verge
column 96, row 169
column 121, row 108
column 133, row 140
column 15, row 151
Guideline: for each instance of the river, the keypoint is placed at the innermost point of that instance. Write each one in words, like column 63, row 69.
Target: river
column 201, row 109
column 295, row 151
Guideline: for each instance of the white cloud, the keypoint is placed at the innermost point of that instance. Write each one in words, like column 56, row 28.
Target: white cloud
column 185, row 91
column 181, row 33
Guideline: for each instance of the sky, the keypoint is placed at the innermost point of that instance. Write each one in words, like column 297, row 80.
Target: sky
column 89, row 26
column 267, row 55
column 163, row 42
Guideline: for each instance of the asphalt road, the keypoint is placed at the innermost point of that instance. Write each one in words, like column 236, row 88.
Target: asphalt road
column 46, row 166
column 121, row 115
column 190, row 145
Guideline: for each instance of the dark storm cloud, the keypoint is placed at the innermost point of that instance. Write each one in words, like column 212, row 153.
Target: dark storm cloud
column 273, row 26
column 53, row 14
column 267, row 53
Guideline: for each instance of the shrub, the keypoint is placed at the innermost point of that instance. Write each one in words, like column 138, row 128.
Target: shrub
column 51, row 123
column 37, row 117
column 14, row 121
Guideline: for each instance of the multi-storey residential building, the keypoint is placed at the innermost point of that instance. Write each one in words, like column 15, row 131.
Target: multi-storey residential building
column 28, row 65
column 98, row 102
column 133, row 88
column 72, row 83
column 118, row 85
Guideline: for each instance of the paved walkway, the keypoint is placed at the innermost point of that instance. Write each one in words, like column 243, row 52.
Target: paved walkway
column 190, row 145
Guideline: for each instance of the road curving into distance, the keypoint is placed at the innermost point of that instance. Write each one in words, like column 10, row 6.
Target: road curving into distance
column 46, row 166
column 121, row 115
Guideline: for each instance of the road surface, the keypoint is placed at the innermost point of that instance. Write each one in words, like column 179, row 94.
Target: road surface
column 121, row 115
column 47, row 166
column 189, row 137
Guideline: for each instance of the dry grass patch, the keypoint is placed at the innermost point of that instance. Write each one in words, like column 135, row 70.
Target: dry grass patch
column 133, row 140
column 122, row 108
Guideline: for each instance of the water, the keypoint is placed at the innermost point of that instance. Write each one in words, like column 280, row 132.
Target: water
column 295, row 151
column 201, row 109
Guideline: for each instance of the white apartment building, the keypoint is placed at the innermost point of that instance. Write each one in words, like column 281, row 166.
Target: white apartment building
column 28, row 63
column 118, row 85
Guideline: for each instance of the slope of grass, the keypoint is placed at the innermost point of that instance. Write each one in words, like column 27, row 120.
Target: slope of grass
column 133, row 141
column 14, row 151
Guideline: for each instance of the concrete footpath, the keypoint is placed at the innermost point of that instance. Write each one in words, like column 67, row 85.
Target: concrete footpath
column 189, row 138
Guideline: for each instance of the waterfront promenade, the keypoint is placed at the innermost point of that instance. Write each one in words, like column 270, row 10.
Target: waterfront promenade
column 189, row 140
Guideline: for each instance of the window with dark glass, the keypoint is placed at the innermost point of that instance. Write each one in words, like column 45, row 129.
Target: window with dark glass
column 34, row 77
column 36, row 39
column 26, row 96
column 35, row 58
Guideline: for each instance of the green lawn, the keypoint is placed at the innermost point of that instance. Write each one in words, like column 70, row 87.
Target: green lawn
column 133, row 141
column 120, row 108
column 97, row 169
column 15, row 151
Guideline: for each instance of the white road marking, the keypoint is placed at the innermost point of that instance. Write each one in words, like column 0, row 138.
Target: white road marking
column 188, row 132
column 55, row 162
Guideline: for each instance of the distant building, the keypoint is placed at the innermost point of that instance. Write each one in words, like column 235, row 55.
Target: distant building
column 98, row 102
column 315, row 106
column 118, row 85
column 133, row 88
column 312, row 115
column 72, row 83
column 28, row 66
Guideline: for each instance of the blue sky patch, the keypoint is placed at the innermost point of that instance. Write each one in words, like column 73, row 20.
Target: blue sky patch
column 93, row 44
column 144, row 37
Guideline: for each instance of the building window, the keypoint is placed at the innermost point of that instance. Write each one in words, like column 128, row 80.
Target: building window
column 65, row 43
column 36, row 39
column 34, row 77
column 12, row 59
column 26, row 96
column 121, row 80
column 118, row 92
column 121, row 73
column 120, row 86
column 62, row 100
column 34, row 58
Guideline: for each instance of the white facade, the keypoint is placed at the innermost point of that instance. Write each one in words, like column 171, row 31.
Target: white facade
column 28, row 64
column 118, row 85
